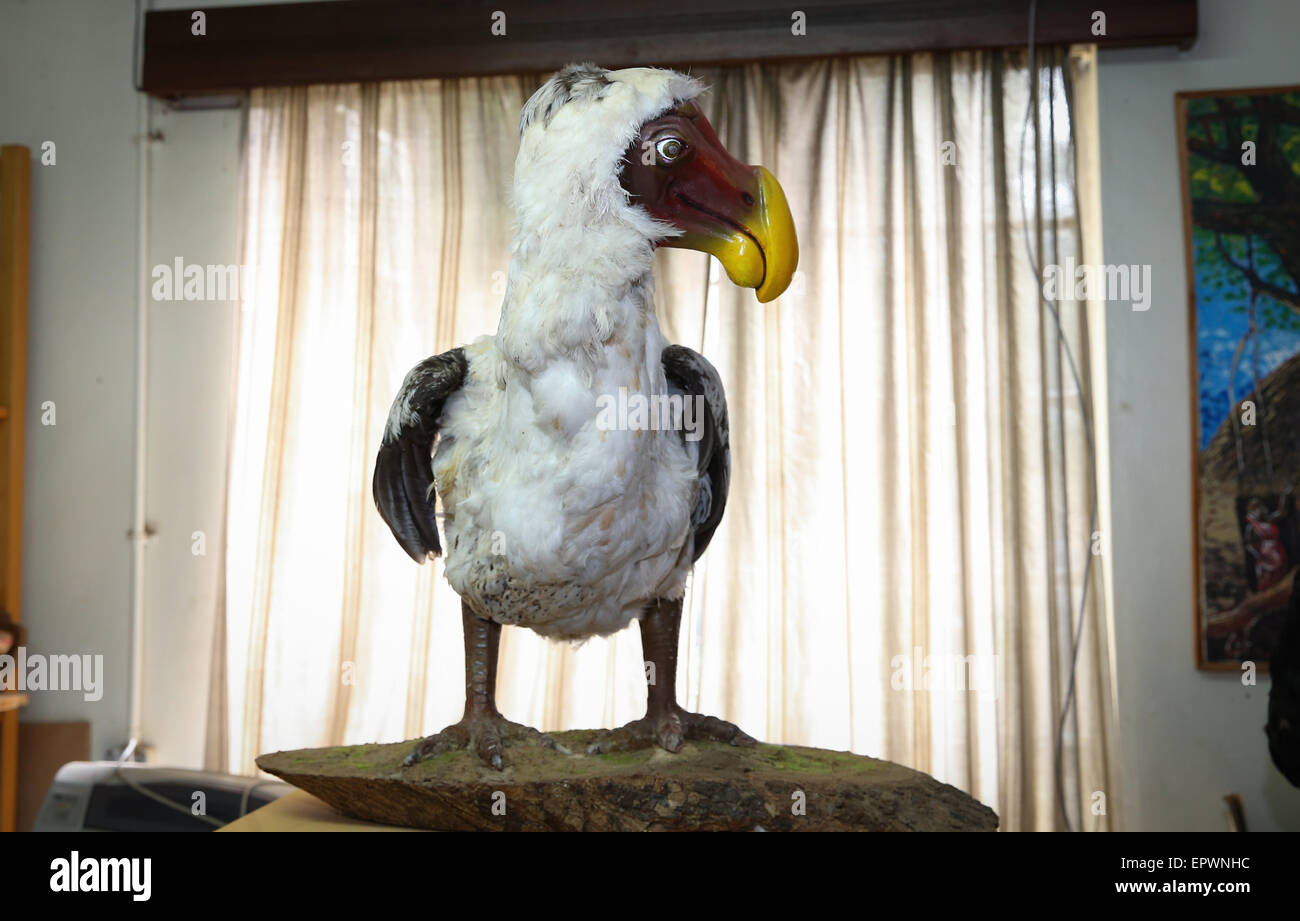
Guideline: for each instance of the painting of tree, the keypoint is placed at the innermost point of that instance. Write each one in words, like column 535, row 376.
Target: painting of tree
column 1241, row 186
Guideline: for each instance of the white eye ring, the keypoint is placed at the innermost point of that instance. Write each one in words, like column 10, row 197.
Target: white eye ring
column 669, row 149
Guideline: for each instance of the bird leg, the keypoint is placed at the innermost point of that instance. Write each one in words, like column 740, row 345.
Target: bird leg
column 482, row 729
column 665, row 723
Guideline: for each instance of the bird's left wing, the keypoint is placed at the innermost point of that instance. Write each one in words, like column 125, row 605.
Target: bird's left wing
column 403, row 483
column 692, row 374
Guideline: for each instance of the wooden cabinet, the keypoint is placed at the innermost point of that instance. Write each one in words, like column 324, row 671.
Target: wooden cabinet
column 15, row 223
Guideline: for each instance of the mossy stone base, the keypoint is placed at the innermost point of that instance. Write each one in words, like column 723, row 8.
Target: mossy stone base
column 705, row 786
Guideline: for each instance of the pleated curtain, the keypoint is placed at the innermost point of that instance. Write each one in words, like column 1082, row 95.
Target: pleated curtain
column 911, row 482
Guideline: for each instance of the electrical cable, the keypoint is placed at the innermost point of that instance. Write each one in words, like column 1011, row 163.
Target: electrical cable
column 244, row 799
column 156, row 797
column 1085, row 408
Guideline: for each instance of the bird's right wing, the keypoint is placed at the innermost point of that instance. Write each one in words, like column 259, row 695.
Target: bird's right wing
column 403, row 483
column 692, row 374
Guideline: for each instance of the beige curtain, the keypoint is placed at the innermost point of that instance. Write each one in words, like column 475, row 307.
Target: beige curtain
column 911, row 484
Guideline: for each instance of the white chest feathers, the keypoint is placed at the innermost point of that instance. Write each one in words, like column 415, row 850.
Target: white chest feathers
column 555, row 517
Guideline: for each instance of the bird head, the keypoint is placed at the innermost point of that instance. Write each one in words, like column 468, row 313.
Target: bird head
column 630, row 152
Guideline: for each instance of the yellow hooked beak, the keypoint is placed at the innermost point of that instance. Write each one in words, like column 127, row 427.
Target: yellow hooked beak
column 762, row 255
column 776, row 236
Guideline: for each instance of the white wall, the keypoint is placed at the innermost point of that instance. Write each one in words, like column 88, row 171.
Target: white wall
column 65, row 74
column 1187, row 737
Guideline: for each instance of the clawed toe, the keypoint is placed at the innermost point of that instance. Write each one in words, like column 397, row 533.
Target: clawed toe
column 699, row 726
column 450, row 739
column 636, row 734
column 550, row 742
column 488, row 747
column 668, row 731
column 486, row 737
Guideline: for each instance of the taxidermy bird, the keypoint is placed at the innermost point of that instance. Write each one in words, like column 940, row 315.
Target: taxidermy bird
column 555, row 519
column 1284, row 693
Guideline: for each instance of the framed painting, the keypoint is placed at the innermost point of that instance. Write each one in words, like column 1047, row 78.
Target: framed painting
column 1240, row 157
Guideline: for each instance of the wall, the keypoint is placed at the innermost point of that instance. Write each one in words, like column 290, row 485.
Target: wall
column 66, row 69
column 1187, row 737
column 66, row 73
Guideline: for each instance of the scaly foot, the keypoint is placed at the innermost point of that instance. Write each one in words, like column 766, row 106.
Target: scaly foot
column 484, row 736
column 669, row 729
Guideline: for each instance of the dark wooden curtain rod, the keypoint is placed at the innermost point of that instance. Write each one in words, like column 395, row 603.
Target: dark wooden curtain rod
column 345, row 41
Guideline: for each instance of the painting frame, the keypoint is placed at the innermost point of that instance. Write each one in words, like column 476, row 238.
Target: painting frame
column 1184, row 102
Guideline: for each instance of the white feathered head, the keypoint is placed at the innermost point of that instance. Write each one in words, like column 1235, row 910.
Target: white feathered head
column 628, row 155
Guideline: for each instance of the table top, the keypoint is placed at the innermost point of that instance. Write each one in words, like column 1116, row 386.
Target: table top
column 300, row 811
column 10, row 700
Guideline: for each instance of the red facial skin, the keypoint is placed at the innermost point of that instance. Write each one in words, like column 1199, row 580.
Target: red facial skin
column 703, row 190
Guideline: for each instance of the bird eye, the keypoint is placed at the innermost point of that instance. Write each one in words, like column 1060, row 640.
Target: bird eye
column 669, row 149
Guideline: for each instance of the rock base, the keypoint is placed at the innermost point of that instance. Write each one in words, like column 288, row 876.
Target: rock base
column 707, row 786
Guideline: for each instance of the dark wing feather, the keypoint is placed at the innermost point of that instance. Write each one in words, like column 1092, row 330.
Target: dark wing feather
column 692, row 374
column 403, row 483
